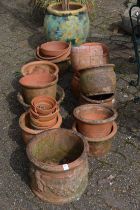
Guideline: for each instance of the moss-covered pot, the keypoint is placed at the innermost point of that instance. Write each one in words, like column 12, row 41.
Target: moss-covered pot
column 70, row 26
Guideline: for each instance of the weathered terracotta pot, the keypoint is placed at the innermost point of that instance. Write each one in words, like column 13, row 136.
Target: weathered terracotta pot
column 27, row 132
column 39, row 66
column 59, row 98
column 105, row 100
column 98, row 80
column 94, row 121
column 89, row 55
column 100, row 146
column 38, row 84
column 54, row 48
column 75, row 86
column 59, row 165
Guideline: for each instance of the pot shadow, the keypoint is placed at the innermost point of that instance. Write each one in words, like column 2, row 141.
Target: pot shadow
column 18, row 159
column 36, row 39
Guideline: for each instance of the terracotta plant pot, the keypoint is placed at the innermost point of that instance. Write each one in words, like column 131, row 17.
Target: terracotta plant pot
column 75, row 86
column 59, row 98
column 39, row 66
column 27, row 132
column 54, row 48
column 56, row 59
column 89, row 55
column 38, row 84
column 100, row 146
column 94, row 121
column 59, row 169
column 105, row 100
column 98, row 80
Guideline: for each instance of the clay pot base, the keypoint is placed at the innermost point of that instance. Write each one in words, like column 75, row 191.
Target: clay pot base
column 60, row 201
column 59, row 98
column 101, row 146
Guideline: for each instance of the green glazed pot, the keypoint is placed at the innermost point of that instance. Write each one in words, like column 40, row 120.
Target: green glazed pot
column 70, row 26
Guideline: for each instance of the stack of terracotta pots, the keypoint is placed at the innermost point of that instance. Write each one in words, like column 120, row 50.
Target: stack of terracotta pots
column 94, row 80
column 39, row 93
column 55, row 52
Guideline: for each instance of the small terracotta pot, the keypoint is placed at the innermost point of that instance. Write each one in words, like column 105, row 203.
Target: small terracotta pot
column 89, row 55
column 39, row 66
column 27, row 132
column 100, row 146
column 94, row 121
column 105, row 100
column 59, row 165
column 59, row 98
column 38, row 84
column 75, row 86
column 98, row 80
column 53, row 48
column 43, row 105
column 58, row 59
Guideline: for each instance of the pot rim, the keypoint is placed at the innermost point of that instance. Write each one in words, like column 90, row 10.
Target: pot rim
column 53, row 11
column 40, row 86
column 105, row 47
column 106, row 138
column 52, row 167
column 96, row 106
column 98, row 101
column 39, row 63
column 30, row 130
column 97, row 67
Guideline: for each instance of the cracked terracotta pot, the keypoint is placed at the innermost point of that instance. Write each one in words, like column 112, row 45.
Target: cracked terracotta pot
column 59, row 166
column 75, row 85
column 38, row 84
column 105, row 100
column 27, row 132
column 60, row 94
column 98, row 80
column 99, row 147
column 39, row 66
column 94, row 121
column 89, row 55
column 54, row 48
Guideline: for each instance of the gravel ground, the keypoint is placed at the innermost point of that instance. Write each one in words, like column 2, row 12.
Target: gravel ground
column 114, row 180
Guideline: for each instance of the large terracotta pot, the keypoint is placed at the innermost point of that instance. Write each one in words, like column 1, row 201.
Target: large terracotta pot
column 70, row 26
column 27, row 132
column 100, row 146
column 89, row 55
column 94, row 121
column 105, row 100
column 38, row 84
column 39, row 66
column 59, row 169
column 98, row 80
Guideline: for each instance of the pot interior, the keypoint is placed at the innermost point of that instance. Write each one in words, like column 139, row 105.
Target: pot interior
column 94, row 113
column 100, row 97
column 38, row 79
column 71, row 7
column 57, row 147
